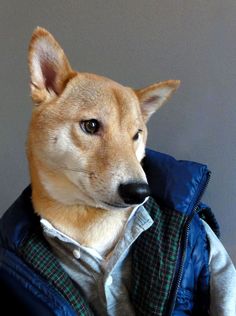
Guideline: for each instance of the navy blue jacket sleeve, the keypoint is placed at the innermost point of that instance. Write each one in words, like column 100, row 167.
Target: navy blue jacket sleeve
column 23, row 292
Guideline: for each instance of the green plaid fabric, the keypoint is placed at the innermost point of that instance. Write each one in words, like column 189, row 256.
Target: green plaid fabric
column 154, row 260
column 36, row 253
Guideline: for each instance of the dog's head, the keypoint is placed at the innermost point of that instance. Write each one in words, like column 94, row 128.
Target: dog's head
column 88, row 133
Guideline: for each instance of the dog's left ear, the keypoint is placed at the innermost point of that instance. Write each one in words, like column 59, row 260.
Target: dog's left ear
column 153, row 97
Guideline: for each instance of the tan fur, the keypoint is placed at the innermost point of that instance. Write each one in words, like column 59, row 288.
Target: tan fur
column 74, row 174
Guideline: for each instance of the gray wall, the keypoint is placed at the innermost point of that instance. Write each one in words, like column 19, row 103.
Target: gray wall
column 135, row 42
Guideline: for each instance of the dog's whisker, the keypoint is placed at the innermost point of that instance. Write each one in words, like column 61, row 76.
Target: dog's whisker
column 75, row 170
column 89, row 173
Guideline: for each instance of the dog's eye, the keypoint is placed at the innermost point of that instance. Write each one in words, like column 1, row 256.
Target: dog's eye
column 136, row 136
column 90, row 126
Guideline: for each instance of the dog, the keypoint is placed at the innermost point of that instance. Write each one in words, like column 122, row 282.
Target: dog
column 85, row 145
column 101, row 242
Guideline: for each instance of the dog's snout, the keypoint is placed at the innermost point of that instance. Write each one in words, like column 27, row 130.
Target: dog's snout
column 134, row 192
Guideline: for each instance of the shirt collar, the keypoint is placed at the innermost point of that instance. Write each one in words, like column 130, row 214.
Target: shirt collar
column 139, row 215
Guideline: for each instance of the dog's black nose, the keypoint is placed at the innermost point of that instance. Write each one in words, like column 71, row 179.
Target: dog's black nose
column 134, row 192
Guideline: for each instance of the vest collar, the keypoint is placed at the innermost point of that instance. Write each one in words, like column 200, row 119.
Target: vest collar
column 175, row 184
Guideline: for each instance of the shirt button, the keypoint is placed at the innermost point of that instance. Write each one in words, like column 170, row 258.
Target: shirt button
column 76, row 253
column 109, row 280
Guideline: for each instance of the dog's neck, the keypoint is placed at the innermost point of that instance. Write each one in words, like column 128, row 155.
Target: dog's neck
column 91, row 227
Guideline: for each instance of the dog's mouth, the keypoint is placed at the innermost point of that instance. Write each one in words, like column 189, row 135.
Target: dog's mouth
column 116, row 205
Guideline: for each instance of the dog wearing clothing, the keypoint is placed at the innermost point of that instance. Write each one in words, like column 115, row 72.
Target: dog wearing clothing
column 95, row 201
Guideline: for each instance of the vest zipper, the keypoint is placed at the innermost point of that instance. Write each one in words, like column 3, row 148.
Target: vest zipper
column 183, row 247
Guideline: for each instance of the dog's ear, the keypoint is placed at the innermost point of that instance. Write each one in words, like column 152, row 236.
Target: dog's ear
column 153, row 97
column 49, row 67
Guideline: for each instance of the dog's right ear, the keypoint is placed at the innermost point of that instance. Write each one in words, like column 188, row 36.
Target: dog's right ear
column 49, row 68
